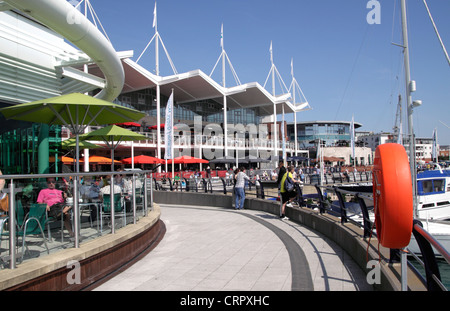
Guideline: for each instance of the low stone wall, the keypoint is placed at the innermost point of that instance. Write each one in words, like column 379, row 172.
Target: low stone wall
column 348, row 236
column 98, row 259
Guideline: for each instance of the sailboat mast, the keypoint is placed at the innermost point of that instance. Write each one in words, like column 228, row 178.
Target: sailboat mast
column 409, row 89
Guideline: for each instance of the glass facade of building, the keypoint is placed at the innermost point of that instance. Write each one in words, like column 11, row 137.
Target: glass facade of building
column 209, row 109
column 19, row 149
column 332, row 133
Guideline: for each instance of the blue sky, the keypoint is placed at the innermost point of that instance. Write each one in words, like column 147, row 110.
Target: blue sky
column 344, row 65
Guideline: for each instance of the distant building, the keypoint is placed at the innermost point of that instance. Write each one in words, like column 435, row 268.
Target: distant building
column 373, row 140
column 444, row 152
column 335, row 137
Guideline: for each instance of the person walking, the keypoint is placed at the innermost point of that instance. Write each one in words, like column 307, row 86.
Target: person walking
column 281, row 172
column 287, row 195
column 239, row 188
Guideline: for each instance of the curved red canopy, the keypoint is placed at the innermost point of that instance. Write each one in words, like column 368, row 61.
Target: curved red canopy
column 143, row 159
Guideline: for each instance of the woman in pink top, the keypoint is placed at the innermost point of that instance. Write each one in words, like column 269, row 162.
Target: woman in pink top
column 55, row 200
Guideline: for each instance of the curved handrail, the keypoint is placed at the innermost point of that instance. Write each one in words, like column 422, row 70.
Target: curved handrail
column 66, row 20
column 423, row 238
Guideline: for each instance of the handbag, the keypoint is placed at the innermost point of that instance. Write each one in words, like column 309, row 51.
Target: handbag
column 4, row 202
column 288, row 184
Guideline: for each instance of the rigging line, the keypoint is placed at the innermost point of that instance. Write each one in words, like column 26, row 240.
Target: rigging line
column 94, row 16
column 437, row 32
column 270, row 71
column 168, row 57
column 236, row 78
column 148, row 44
column 351, row 72
column 281, row 81
column 220, row 57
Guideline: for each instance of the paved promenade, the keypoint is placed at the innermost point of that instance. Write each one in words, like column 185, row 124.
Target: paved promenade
column 213, row 249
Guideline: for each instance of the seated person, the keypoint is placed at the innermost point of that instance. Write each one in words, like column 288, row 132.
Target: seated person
column 106, row 189
column 119, row 180
column 94, row 191
column 55, row 200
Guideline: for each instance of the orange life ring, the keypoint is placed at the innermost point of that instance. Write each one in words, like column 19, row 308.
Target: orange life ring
column 392, row 195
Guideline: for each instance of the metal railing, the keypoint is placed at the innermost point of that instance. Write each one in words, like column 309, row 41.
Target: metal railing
column 13, row 186
column 425, row 240
column 361, row 217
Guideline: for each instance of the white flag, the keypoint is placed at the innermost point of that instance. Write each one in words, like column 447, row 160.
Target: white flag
column 434, row 151
column 154, row 16
column 168, row 129
column 271, row 54
column 221, row 37
column 352, row 140
column 292, row 67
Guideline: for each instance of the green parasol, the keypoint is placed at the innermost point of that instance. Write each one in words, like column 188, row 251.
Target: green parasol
column 113, row 135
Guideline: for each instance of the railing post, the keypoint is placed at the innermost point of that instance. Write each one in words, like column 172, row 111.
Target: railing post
column 365, row 212
column 429, row 259
column 224, row 185
column 170, row 183
column 133, row 190
column 12, row 227
column 76, row 212
column 321, row 200
column 342, row 204
column 111, row 194
column 261, row 187
column 151, row 193
column 186, row 183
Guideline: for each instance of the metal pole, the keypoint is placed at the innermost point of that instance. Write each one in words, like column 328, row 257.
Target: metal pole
column 133, row 189
column 412, row 152
column 76, row 213
column 225, row 120
column 404, row 267
column 412, row 145
column 111, row 195
column 12, row 227
column 151, row 192
column 145, row 195
column 158, row 123
column 295, row 121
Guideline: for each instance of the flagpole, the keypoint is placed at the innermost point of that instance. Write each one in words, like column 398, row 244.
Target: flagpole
column 225, row 117
column 155, row 25
column 275, row 138
column 171, row 138
column 295, row 112
column 352, row 141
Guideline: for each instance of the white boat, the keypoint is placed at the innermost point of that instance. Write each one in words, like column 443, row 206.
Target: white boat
column 433, row 195
column 433, row 206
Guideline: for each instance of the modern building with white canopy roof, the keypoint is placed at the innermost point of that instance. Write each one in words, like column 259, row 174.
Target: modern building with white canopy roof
column 38, row 63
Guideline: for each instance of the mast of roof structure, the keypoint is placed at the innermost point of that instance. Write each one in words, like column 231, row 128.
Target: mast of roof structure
column 157, row 72
column 273, row 70
column 274, row 131
column 304, row 105
column 224, row 57
column 88, row 8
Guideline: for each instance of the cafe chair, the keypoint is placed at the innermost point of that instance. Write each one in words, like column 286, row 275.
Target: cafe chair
column 119, row 209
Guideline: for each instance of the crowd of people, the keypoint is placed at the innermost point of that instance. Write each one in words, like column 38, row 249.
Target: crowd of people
column 58, row 194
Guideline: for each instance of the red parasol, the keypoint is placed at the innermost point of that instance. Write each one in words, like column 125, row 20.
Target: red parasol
column 143, row 159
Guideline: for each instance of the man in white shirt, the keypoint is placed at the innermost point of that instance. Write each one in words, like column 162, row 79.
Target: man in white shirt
column 239, row 188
